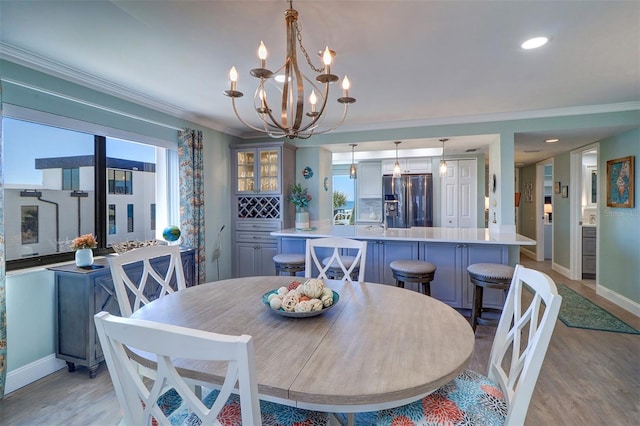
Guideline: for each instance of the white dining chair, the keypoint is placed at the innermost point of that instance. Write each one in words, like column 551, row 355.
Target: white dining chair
column 168, row 398
column 519, row 347
column 346, row 259
column 136, row 287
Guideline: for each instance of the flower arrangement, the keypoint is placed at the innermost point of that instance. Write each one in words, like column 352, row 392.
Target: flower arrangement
column 298, row 196
column 85, row 241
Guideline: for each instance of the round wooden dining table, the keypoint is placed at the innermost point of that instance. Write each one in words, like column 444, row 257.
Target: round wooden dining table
column 379, row 347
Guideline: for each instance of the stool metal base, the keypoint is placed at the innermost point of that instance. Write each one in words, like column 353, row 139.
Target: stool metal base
column 423, row 279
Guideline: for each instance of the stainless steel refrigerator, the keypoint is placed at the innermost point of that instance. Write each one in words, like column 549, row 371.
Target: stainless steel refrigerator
column 414, row 196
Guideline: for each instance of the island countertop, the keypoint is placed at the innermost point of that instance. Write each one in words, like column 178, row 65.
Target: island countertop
column 376, row 232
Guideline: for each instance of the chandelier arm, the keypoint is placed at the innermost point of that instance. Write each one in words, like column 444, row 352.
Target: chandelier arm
column 344, row 115
column 235, row 110
column 315, row 120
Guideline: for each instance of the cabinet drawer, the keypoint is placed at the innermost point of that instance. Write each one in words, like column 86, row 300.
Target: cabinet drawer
column 589, row 246
column 255, row 237
column 589, row 232
column 588, row 264
column 258, row 226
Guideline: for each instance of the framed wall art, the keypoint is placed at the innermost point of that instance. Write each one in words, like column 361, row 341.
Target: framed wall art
column 565, row 191
column 556, row 188
column 620, row 182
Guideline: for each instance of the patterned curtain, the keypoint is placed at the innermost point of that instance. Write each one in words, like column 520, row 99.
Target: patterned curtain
column 3, row 298
column 192, row 195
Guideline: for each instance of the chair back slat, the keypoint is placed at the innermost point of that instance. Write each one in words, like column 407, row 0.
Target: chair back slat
column 522, row 338
column 134, row 288
column 315, row 247
column 168, row 342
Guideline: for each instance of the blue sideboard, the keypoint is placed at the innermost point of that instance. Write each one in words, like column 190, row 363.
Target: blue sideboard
column 80, row 293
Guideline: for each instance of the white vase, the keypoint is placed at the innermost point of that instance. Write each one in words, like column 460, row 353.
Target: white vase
column 302, row 219
column 84, row 257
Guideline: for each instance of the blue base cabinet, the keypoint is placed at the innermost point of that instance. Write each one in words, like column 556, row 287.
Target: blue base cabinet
column 80, row 294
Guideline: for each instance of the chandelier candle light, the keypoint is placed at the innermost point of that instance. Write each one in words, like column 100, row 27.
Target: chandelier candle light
column 290, row 121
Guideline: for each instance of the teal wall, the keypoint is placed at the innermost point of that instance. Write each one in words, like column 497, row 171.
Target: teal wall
column 562, row 211
column 619, row 228
column 30, row 300
column 527, row 210
column 30, row 294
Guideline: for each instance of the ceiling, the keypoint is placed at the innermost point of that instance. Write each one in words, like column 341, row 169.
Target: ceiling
column 411, row 63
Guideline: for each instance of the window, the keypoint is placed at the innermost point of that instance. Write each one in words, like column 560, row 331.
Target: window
column 152, row 217
column 129, row 218
column 75, row 182
column 71, row 179
column 29, row 224
column 120, row 182
column 112, row 219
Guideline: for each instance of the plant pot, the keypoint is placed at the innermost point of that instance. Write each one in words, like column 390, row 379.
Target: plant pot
column 84, row 257
column 302, row 218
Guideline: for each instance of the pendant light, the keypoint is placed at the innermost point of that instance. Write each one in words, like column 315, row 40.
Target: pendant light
column 353, row 172
column 396, row 167
column 443, row 164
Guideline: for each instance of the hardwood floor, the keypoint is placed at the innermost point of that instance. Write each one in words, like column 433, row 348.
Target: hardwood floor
column 588, row 378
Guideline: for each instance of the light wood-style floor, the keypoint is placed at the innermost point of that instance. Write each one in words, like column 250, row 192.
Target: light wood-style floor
column 588, row 378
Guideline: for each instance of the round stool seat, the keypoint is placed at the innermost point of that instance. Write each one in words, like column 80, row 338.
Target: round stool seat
column 487, row 275
column 415, row 271
column 289, row 262
column 335, row 271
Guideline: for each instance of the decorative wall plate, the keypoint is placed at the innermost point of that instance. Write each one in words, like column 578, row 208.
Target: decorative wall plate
column 307, row 172
column 326, row 183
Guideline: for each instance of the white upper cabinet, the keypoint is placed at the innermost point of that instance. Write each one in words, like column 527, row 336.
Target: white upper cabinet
column 408, row 165
column 369, row 180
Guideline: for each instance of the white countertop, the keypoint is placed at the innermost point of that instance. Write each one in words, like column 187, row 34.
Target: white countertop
column 443, row 235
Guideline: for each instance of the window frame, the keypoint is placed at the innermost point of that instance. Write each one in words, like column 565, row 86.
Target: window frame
column 100, row 176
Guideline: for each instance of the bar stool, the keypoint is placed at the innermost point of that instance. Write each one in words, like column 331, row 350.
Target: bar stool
column 289, row 263
column 414, row 271
column 487, row 275
column 335, row 271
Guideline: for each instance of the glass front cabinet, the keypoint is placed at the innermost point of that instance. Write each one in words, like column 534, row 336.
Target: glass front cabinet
column 262, row 175
column 258, row 170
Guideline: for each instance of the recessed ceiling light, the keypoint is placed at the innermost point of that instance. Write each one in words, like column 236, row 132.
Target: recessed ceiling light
column 535, row 42
column 552, row 140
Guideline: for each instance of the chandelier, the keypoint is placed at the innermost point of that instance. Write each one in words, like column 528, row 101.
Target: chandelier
column 294, row 118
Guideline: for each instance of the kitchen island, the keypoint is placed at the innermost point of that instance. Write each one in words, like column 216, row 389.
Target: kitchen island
column 451, row 250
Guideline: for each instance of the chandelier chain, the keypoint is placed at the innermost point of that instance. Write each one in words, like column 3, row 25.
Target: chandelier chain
column 304, row 51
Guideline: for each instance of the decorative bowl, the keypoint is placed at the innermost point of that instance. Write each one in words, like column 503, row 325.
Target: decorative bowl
column 284, row 313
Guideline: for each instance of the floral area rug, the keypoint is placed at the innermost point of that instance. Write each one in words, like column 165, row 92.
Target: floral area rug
column 578, row 312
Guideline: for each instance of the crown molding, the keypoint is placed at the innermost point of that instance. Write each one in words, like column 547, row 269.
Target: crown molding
column 73, row 75
column 57, row 69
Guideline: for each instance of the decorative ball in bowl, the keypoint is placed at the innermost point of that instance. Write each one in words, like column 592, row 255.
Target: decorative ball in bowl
column 301, row 300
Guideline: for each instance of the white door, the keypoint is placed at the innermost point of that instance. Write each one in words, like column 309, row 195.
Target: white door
column 459, row 195
column 449, row 204
column 467, row 194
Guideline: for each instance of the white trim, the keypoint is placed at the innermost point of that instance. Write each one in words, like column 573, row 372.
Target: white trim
column 527, row 252
column 561, row 270
column 618, row 299
column 47, row 66
column 41, row 117
column 31, row 372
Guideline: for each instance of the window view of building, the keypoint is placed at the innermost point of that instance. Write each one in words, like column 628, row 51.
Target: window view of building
column 71, row 179
column 51, row 191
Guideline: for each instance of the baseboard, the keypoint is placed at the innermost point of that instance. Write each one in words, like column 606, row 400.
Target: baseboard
column 618, row 299
column 530, row 254
column 31, row 372
column 561, row 270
